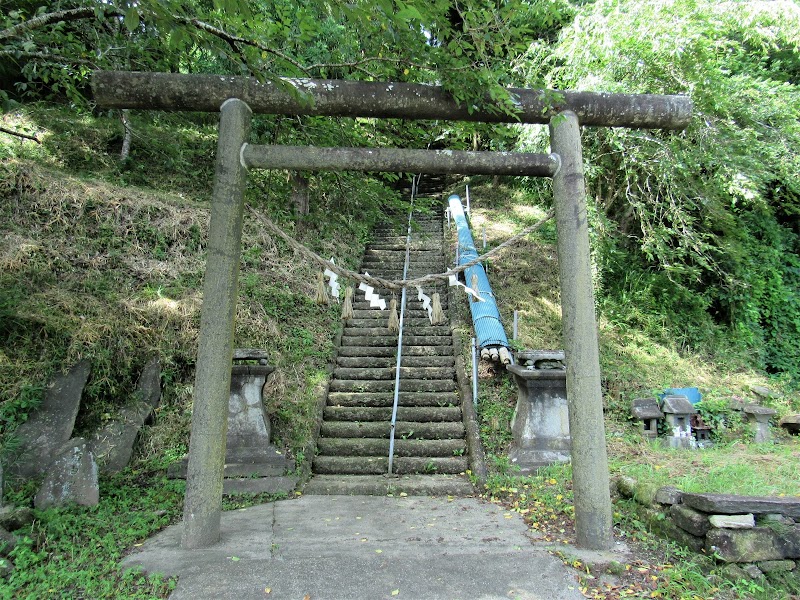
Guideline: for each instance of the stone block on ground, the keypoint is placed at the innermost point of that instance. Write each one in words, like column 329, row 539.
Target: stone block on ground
column 50, row 425
column 776, row 566
column 112, row 444
column 8, row 541
column 726, row 504
column 733, row 521
column 690, row 520
column 6, row 568
column 754, row 545
column 15, row 517
column 759, row 417
column 774, row 519
column 668, row 495
column 681, row 536
column 70, row 478
column 626, row 486
column 791, row 423
column 540, row 426
column 753, row 572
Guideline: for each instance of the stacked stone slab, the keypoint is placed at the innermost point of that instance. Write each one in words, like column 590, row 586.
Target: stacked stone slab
column 430, row 449
column 760, row 531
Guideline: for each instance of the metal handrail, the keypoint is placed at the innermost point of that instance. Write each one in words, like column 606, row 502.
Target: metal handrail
column 414, row 182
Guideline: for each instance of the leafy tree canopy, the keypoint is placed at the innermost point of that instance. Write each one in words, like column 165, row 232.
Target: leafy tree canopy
column 470, row 46
column 714, row 212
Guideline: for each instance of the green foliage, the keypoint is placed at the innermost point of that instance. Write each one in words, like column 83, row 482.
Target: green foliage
column 76, row 552
column 470, row 47
column 706, row 219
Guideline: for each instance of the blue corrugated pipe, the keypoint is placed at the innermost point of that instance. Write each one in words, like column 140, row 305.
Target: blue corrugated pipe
column 489, row 332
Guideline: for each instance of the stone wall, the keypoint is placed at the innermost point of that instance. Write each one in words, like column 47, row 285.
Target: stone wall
column 759, row 534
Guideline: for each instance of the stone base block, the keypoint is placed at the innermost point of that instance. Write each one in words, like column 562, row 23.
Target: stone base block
column 528, row 460
column 684, row 443
column 260, row 485
column 243, row 462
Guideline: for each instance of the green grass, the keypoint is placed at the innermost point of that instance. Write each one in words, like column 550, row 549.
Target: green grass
column 75, row 552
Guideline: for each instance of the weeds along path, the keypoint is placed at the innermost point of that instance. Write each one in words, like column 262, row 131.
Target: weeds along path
column 430, row 454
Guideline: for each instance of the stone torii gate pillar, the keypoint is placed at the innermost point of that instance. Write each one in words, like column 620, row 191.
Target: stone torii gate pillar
column 204, row 474
column 237, row 97
column 590, row 479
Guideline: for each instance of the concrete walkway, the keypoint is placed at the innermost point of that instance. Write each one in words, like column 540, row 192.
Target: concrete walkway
column 363, row 547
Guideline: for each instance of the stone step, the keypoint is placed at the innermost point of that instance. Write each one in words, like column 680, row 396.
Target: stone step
column 400, row 246
column 383, row 373
column 406, row 385
column 356, row 350
column 391, row 340
column 380, row 447
column 432, row 330
column 259, row 485
column 391, row 361
column 403, row 430
column 423, row 414
column 387, row 398
column 399, row 260
column 413, row 314
column 374, row 465
column 395, row 271
column 381, row 485
column 429, row 247
column 378, row 321
column 413, row 306
column 417, row 234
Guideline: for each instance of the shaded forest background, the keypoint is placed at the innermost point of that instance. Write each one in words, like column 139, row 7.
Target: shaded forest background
column 695, row 233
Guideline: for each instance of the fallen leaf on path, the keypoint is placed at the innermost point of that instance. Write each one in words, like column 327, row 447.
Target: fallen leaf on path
column 395, row 592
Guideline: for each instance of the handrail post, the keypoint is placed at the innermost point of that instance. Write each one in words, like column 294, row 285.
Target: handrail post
column 474, row 372
column 590, row 478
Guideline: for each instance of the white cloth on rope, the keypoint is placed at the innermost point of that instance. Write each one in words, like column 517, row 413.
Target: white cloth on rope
column 375, row 301
column 426, row 302
column 453, row 280
column 333, row 281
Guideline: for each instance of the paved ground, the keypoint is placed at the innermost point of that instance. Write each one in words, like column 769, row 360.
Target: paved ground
column 363, row 547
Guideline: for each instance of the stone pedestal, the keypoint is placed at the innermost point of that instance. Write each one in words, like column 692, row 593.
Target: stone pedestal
column 759, row 417
column 541, row 419
column 252, row 463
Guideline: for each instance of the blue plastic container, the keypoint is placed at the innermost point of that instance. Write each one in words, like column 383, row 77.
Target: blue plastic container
column 693, row 394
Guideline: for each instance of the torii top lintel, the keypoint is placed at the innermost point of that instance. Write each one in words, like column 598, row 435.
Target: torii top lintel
column 343, row 98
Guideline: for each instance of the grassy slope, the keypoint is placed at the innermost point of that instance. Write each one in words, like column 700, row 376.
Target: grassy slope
column 105, row 261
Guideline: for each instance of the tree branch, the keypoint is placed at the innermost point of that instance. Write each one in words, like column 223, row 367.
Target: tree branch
column 233, row 40
column 47, row 56
column 20, row 135
column 73, row 14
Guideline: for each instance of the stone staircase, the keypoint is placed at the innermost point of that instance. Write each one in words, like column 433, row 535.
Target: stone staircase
column 430, row 452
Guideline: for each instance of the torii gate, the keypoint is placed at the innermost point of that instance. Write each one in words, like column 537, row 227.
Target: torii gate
column 237, row 98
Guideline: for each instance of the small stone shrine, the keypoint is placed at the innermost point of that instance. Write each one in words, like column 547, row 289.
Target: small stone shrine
column 677, row 412
column 541, row 419
column 646, row 410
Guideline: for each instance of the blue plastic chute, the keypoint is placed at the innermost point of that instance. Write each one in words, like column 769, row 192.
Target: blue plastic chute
column 489, row 332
